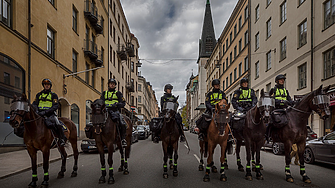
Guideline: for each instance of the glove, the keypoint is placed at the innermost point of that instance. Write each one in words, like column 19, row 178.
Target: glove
column 41, row 113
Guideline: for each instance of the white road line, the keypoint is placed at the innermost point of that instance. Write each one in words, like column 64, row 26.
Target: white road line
column 185, row 146
column 197, row 158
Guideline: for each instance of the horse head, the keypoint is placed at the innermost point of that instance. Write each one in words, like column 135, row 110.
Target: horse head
column 320, row 102
column 170, row 108
column 98, row 115
column 221, row 115
column 18, row 109
column 266, row 104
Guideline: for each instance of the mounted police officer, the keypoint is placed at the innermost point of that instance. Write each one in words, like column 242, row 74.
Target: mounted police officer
column 165, row 98
column 46, row 103
column 114, row 101
column 244, row 98
column 212, row 98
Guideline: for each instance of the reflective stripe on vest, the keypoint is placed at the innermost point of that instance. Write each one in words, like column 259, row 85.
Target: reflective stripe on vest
column 111, row 98
column 215, row 98
column 45, row 101
column 281, row 94
column 168, row 98
column 245, row 96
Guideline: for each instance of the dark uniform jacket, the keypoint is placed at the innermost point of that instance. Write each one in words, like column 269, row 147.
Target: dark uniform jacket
column 280, row 94
column 213, row 97
column 121, row 101
column 48, row 97
column 244, row 102
column 165, row 98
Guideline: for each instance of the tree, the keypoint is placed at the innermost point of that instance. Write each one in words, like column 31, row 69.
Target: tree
column 184, row 116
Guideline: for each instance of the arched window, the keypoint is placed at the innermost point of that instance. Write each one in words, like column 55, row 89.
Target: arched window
column 75, row 116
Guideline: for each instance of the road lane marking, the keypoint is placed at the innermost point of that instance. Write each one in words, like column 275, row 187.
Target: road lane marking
column 197, row 157
column 186, row 146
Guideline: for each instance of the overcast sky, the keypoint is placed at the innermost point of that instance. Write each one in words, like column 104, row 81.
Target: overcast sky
column 171, row 29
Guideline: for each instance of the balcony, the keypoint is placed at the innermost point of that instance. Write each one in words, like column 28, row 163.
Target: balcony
column 90, row 49
column 121, row 52
column 100, row 60
column 130, row 49
column 99, row 26
column 130, row 86
column 91, row 12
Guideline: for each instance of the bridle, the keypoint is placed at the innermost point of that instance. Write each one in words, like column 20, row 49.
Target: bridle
column 14, row 112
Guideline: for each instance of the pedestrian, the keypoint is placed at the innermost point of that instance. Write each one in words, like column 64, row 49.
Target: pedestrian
column 294, row 153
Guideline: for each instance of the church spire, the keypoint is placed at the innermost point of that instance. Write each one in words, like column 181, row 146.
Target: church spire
column 207, row 41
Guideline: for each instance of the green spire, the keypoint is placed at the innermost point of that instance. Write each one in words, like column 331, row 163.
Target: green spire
column 208, row 2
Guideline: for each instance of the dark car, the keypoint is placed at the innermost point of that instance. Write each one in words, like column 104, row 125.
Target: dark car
column 134, row 137
column 142, row 132
column 88, row 145
column 322, row 149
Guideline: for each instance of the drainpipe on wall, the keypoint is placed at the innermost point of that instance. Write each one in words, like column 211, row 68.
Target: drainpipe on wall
column 29, row 49
column 312, row 52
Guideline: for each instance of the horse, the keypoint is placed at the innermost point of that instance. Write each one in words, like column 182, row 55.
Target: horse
column 170, row 136
column 296, row 131
column 105, row 133
column 38, row 137
column 218, row 134
column 203, row 152
column 254, row 131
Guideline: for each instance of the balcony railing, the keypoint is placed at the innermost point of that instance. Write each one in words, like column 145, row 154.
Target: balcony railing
column 130, row 87
column 121, row 52
column 90, row 49
column 130, row 50
column 91, row 12
column 99, row 26
column 99, row 61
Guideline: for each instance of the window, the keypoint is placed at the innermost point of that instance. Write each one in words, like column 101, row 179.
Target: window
column 17, row 82
column 268, row 87
column 231, row 78
column 301, row 1
column 246, row 13
column 283, row 12
column 303, row 33
column 74, row 61
column 87, row 74
column 223, row 49
column 231, row 57
column 239, row 23
column 139, row 110
column 246, row 64
column 268, row 28
column 329, row 63
column 246, row 38
column 139, row 87
column 235, row 30
column 6, row 78
column 139, row 99
column 132, row 100
column 235, row 52
column 302, row 76
column 51, row 42
column 235, row 74
column 257, row 69
column 6, row 12
column 283, row 49
column 114, row 58
column 240, row 69
column 257, row 13
column 102, row 54
column 102, row 84
column 132, row 66
column 74, row 19
column 52, row 2
column 110, row 28
column 268, row 2
column 239, row 46
column 227, row 45
column 118, row 19
column 223, row 85
column 93, row 80
column 257, row 41
column 114, row 34
column 268, row 60
column 118, row 66
column 122, row 72
column 329, row 13
column 227, row 82
column 227, row 63
column 230, row 37
column 114, row 8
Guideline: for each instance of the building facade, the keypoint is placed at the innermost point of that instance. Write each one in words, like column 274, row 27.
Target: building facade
column 294, row 38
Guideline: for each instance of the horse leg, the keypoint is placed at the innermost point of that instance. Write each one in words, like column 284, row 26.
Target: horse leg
column 100, row 147
column 127, row 152
column 175, row 156
column 225, row 164
column 248, row 175
column 63, row 167
column 122, row 157
column 165, row 158
column 33, row 156
column 110, row 147
column 238, row 158
column 214, row 169
column 209, row 162
column 170, row 161
column 287, row 146
column 258, row 147
column 301, row 149
column 223, row 161
column 46, row 154
column 253, row 151
column 75, row 156
column 201, row 165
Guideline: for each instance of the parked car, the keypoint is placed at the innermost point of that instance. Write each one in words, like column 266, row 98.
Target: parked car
column 185, row 128
column 134, row 137
column 322, row 149
column 142, row 132
column 148, row 129
column 88, row 145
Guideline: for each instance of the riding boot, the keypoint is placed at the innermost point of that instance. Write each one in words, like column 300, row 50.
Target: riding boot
column 201, row 136
column 155, row 138
column 62, row 137
column 181, row 133
column 122, row 127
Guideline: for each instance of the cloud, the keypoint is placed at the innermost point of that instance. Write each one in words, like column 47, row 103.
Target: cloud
column 171, row 29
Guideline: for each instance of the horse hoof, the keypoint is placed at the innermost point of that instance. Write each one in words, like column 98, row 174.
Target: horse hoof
column 125, row 172
column 74, row 174
column 248, row 178
column 32, row 184
column 214, row 169
column 201, row 168
column 171, row 167
column 165, row 175
column 206, row 178
column 306, row 179
column 45, row 184
column 241, row 169
column 120, row 169
column 261, row 166
column 260, row 177
column 175, row 173
column 102, row 180
column 60, row 175
column 223, row 177
column 290, row 180
column 111, row 180
column 225, row 166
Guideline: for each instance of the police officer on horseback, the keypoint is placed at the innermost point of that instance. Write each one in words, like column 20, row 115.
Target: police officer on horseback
column 114, row 101
column 165, row 98
column 46, row 103
column 212, row 98
column 244, row 98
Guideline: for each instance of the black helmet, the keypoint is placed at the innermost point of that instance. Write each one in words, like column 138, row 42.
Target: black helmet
column 168, row 86
column 112, row 81
column 46, row 81
column 243, row 80
column 279, row 77
column 215, row 82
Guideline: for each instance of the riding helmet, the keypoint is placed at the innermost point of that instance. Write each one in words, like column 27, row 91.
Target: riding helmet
column 279, row 77
column 168, row 86
column 215, row 82
column 46, row 81
column 112, row 81
column 243, row 80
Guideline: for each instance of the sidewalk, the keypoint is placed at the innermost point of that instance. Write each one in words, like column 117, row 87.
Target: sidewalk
column 15, row 162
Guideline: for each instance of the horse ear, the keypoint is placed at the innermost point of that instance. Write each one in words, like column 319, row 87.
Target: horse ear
column 319, row 90
column 262, row 93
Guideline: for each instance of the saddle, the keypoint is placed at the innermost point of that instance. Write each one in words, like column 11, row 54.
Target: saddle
column 238, row 121
column 279, row 118
column 89, row 130
column 156, row 124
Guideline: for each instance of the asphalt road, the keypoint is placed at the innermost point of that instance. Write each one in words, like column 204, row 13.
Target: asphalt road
column 146, row 170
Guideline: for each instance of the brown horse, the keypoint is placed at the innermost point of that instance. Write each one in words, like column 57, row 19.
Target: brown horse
column 170, row 136
column 38, row 137
column 254, row 131
column 296, row 130
column 203, row 152
column 105, row 134
column 218, row 134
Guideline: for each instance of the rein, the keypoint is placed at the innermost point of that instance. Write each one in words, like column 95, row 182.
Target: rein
column 290, row 107
column 253, row 121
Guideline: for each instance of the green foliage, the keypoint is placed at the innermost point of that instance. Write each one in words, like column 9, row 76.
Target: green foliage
column 184, row 116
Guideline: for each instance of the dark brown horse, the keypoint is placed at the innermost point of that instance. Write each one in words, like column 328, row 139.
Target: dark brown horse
column 38, row 137
column 296, row 131
column 218, row 134
column 254, row 131
column 203, row 152
column 105, row 134
column 170, row 136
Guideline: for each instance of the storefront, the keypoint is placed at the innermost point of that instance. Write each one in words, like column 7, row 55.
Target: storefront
column 330, row 122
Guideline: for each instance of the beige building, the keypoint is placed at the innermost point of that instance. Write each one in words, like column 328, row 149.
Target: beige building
column 295, row 38
column 147, row 102
column 229, row 61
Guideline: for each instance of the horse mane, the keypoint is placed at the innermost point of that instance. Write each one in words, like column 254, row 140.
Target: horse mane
column 306, row 97
column 99, row 101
